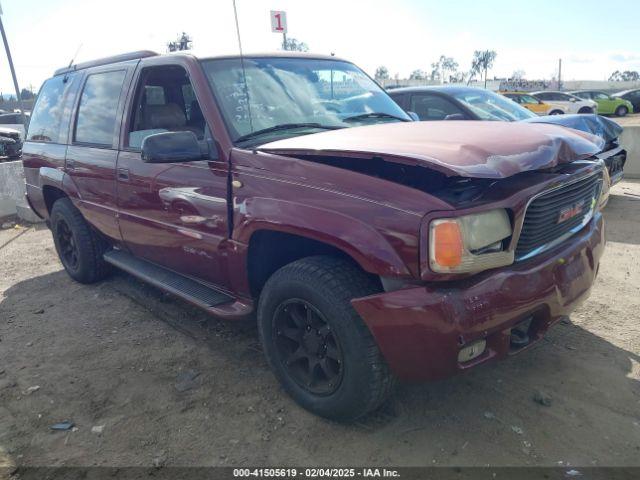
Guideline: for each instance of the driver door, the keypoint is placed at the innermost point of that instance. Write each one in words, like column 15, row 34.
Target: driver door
column 171, row 214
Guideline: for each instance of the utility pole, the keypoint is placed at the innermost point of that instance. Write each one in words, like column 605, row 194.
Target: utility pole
column 13, row 70
column 559, row 74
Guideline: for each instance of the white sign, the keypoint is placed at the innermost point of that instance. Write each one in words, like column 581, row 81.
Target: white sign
column 278, row 21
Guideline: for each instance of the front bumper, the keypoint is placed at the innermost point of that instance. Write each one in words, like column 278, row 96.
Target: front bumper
column 420, row 330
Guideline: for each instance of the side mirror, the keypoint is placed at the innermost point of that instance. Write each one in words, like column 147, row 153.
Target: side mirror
column 572, row 99
column 455, row 116
column 169, row 147
column 414, row 116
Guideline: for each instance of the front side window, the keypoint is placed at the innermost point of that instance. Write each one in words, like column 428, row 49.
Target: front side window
column 528, row 99
column 491, row 106
column 278, row 97
column 583, row 95
column 97, row 112
column 165, row 102
column 432, row 107
column 601, row 96
column 46, row 119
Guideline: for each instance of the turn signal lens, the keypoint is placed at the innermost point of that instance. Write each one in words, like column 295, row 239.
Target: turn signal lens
column 447, row 243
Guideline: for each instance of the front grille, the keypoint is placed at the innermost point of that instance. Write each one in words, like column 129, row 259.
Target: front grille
column 557, row 213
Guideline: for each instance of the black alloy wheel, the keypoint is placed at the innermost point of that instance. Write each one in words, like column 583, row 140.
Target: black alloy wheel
column 68, row 248
column 307, row 347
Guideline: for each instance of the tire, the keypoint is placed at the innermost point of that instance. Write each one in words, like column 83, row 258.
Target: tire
column 621, row 111
column 79, row 247
column 320, row 289
column 556, row 112
column 585, row 110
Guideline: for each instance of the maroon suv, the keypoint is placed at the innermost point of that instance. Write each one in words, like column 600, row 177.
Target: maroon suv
column 369, row 247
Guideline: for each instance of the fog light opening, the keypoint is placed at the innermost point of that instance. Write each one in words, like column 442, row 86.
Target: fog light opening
column 471, row 351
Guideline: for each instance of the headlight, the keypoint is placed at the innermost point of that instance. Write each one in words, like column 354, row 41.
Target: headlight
column 470, row 243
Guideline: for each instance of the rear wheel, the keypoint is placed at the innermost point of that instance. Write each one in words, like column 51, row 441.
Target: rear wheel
column 79, row 247
column 621, row 111
column 585, row 110
column 556, row 112
column 317, row 345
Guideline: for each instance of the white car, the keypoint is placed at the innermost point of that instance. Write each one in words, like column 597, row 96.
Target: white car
column 16, row 121
column 566, row 102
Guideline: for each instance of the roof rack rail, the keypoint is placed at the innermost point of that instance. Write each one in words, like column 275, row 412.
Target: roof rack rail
column 106, row 61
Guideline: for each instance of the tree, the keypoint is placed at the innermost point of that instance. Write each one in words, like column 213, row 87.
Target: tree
column 626, row 76
column 26, row 94
column 293, row 45
column 382, row 73
column 482, row 62
column 418, row 75
column 518, row 75
column 183, row 42
column 440, row 68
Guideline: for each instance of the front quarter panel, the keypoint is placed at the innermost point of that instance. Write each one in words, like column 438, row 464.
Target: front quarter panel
column 350, row 211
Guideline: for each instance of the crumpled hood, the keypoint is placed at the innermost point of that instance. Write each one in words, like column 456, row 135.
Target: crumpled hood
column 598, row 125
column 455, row 148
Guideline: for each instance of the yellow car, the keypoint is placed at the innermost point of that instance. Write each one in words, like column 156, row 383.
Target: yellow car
column 530, row 102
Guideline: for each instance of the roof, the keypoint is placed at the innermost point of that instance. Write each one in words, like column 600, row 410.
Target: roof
column 106, row 61
column 450, row 89
column 148, row 53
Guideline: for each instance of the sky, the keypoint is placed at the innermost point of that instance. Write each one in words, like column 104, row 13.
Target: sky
column 593, row 37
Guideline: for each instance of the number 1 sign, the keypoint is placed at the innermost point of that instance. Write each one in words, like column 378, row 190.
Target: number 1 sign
column 278, row 21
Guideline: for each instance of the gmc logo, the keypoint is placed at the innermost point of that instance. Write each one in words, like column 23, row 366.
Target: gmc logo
column 569, row 212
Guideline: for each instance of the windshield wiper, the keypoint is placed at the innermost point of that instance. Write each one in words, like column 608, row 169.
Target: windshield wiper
column 363, row 116
column 285, row 126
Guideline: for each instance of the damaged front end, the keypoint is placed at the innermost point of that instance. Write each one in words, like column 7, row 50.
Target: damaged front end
column 612, row 153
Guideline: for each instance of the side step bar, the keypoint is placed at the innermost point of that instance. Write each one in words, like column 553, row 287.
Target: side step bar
column 172, row 282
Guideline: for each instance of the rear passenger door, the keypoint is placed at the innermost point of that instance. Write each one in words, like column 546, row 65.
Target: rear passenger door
column 172, row 214
column 93, row 141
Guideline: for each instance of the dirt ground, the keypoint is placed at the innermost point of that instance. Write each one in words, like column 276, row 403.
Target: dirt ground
column 170, row 386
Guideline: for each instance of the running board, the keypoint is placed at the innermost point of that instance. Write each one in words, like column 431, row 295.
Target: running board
column 172, row 282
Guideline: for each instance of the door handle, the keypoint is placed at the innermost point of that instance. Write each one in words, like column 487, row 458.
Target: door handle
column 123, row 174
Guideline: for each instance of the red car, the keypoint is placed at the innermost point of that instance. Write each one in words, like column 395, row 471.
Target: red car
column 290, row 187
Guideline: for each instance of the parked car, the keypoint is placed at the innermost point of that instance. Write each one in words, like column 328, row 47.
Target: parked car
column 530, row 102
column 291, row 187
column 16, row 121
column 10, row 143
column 632, row 96
column 567, row 102
column 607, row 105
column 471, row 103
column 447, row 102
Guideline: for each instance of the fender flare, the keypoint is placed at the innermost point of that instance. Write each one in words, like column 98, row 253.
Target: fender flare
column 366, row 245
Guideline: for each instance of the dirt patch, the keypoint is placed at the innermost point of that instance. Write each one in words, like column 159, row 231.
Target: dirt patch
column 148, row 380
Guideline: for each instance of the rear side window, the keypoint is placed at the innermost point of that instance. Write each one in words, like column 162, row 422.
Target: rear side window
column 97, row 111
column 47, row 113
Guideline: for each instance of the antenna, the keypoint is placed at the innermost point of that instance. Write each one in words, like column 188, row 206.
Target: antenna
column 73, row 59
column 244, row 75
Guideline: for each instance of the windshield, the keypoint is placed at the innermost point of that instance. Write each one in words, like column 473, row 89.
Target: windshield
column 294, row 96
column 491, row 106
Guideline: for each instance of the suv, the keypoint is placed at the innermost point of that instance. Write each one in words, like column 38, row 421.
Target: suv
column 291, row 189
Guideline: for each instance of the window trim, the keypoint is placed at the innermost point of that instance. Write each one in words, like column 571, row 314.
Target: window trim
column 76, row 110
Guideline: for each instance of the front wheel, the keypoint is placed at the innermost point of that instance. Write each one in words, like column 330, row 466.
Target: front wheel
column 621, row 111
column 317, row 345
column 556, row 112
